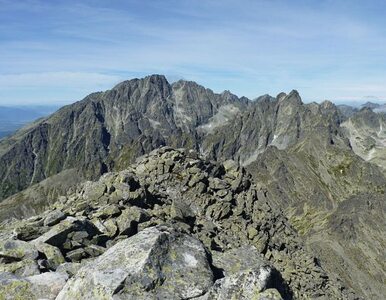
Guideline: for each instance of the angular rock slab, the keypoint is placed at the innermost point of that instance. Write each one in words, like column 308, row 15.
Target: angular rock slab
column 244, row 285
column 246, row 274
column 47, row 285
column 43, row 286
column 238, row 259
column 14, row 250
column 156, row 263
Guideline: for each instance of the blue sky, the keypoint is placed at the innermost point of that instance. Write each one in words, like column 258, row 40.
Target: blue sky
column 56, row 52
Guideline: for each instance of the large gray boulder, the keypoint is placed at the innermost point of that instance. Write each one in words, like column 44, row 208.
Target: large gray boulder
column 14, row 250
column 43, row 286
column 244, row 286
column 247, row 275
column 18, row 257
column 156, row 263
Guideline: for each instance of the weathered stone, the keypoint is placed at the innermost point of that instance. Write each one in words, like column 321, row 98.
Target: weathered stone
column 47, row 285
column 270, row 294
column 28, row 232
column 76, row 255
column 78, row 236
column 14, row 250
column 94, row 250
column 13, row 287
column 132, row 269
column 111, row 227
column 25, row 267
column 93, row 191
column 238, row 259
column 70, row 268
column 107, row 211
column 42, row 286
column 252, row 232
column 59, row 233
column 222, row 210
column 181, row 211
column 219, row 210
column 54, row 218
column 130, row 218
column 242, row 285
column 52, row 253
column 230, row 165
column 217, row 184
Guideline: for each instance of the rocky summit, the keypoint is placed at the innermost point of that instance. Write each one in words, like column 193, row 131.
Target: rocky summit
column 158, row 190
column 171, row 226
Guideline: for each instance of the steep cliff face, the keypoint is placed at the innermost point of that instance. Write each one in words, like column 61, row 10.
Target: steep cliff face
column 367, row 133
column 281, row 122
column 109, row 130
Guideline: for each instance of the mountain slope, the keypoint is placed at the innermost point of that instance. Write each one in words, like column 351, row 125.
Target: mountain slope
column 109, row 130
column 300, row 155
column 336, row 201
column 367, row 133
column 217, row 228
column 281, row 122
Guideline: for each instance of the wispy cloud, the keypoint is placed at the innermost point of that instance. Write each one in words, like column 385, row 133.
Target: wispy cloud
column 250, row 47
column 57, row 79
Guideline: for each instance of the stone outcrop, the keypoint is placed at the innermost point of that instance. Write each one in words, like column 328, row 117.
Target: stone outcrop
column 172, row 225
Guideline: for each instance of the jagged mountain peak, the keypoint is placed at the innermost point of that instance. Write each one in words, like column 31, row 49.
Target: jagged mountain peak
column 327, row 104
column 265, row 98
column 281, row 96
column 293, row 97
column 188, row 84
column 156, row 79
column 155, row 83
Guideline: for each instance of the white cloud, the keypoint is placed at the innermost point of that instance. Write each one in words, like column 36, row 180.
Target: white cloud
column 57, row 79
column 251, row 48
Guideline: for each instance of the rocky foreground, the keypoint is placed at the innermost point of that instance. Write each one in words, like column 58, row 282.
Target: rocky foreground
column 172, row 226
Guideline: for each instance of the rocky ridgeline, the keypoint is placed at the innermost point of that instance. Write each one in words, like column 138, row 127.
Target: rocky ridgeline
column 172, row 226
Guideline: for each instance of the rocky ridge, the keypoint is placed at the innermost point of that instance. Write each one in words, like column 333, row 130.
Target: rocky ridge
column 108, row 130
column 366, row 131
column 199, row 230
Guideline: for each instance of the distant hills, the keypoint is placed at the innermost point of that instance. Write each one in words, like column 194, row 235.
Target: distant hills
column 14, row 117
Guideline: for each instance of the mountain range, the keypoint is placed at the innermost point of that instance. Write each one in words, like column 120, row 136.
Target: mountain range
column 320, row 168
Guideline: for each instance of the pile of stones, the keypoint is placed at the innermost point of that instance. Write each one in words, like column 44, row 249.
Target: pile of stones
column 172, row 226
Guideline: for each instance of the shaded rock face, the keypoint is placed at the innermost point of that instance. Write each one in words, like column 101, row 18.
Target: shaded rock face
column 281, row 122
column 196, row 229
column 110, row 129
column 367, row 134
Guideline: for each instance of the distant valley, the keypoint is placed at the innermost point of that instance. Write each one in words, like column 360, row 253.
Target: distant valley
column 13, row 118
